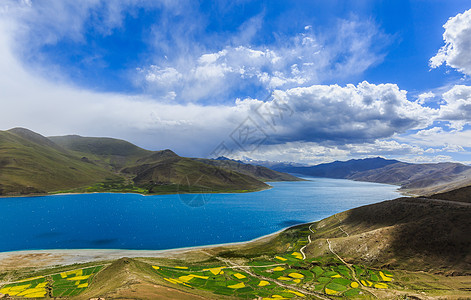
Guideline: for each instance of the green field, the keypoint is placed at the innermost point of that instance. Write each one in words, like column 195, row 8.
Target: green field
column 63, row 284
column 284, row 275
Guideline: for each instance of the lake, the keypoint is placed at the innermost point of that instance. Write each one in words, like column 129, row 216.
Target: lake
column 130, row 221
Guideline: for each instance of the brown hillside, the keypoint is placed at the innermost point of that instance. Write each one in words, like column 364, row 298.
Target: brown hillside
column 409, row 233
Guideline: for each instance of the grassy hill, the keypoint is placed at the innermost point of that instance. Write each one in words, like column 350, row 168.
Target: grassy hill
column 33, row 164
column 406, row 233
column 30, row 163
column 179, row 174
column 107, row 152
column 259, row 172
column 459, row 195
column 160, row 171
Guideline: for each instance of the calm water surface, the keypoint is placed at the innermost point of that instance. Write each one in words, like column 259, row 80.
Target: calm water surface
column 129, row 221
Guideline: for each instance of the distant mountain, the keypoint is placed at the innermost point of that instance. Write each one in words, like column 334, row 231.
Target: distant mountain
column 419, row 179
column 33, row 164
column 223, row 158
column 337, row 169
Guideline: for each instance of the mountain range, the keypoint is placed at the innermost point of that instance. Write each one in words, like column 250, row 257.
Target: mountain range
column 33, row 164
column 418, row 179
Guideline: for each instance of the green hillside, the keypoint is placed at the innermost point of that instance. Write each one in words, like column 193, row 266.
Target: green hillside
column 107, row 152
column 259, row 172
column 179, row 174
column 30, row 163
column 159, row 171
column 33, row 164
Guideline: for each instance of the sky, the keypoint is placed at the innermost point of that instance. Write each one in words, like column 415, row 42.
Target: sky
column 295, row 81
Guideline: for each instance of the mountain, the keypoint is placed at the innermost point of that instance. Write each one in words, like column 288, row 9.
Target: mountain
column 415, row 234
column 109, row 152
column 180, row 174
column 336, row 169
column 259, row 172
column 159, row 171
column 33, row 164
column 419, row 179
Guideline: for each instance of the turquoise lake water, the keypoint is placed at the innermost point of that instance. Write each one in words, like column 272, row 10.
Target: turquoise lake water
column 130, row 221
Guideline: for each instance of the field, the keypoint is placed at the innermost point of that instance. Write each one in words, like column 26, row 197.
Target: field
column 281, row 276
column 68, row 283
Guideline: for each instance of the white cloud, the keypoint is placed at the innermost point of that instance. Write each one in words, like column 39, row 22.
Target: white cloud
column 438, row 138
column 361, row 113
column 424, row 97
column 457, row 36
column 457, row 107
column 452, row 148
column 426, row 159
column 165, row 76
column 315, row 153
column 430, row 132
column 299, row 60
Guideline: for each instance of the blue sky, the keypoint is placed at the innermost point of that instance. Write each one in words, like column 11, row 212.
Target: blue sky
column 357, row 78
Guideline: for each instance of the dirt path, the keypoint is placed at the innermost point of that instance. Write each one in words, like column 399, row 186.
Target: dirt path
column 354, row 275
column 302, row 248
column 447, row 202
column 310, row 241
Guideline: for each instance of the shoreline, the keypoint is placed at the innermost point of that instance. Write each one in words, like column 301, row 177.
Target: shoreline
column 44, row 258
column 181, row 249
column 398, row 190
column 126, row 193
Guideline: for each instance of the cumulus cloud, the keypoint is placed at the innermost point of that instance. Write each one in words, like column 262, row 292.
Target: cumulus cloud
column 430, row 132
column 457, row 107
column 457, row 36
column 362, row 113
column 300, row 60
column 426, row 159
column 424, row 97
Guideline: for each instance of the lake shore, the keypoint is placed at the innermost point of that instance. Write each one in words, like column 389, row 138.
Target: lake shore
column 52, row 257
column 131, row 193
